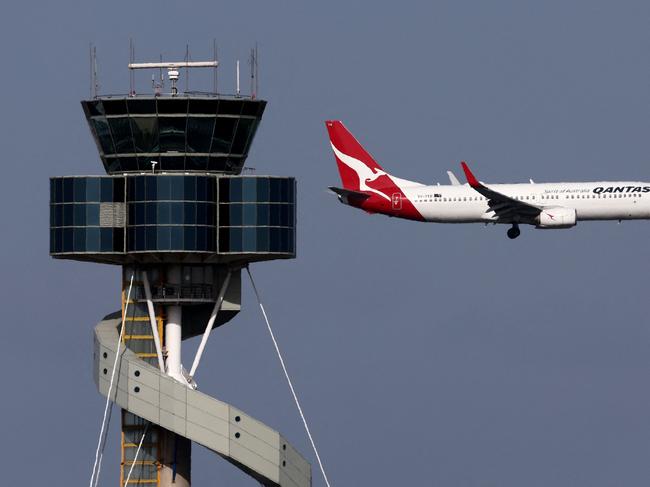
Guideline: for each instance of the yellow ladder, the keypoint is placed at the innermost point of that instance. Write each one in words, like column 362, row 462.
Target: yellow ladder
column 138, row 338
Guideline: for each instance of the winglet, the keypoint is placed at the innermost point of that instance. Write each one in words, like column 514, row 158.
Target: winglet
column 453, row 179
column 471, row 179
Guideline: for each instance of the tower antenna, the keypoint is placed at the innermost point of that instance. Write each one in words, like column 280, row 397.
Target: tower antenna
column 131, row 73
column 90, row 66
column 187, row 69
column 215, row 58
column 257, row 71
column 94, row 68
column 238, row 90
column 253, row 65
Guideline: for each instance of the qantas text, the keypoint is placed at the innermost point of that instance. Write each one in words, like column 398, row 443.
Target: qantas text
column 622, row 189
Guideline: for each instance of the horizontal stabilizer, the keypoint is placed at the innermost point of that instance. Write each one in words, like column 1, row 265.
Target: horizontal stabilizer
column 348, row 193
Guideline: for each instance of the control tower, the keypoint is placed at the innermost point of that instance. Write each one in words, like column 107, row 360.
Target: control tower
column 176, row 213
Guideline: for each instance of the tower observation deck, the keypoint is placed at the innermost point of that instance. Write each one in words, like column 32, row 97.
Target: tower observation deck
column 176, row 213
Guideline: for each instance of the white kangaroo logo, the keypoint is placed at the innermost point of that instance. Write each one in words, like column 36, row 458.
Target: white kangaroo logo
column 364, row 173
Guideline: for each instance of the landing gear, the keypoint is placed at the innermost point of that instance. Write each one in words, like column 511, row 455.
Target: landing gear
column 514, row 231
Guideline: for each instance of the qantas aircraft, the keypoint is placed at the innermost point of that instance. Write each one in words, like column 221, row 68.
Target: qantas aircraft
column 546, row 205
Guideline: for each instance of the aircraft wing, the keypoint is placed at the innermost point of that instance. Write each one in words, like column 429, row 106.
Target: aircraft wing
column 504, row 207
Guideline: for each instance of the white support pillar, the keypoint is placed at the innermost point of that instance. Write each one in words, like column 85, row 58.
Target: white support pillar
column 208, row 327
column 152, row 320
column 173, row 331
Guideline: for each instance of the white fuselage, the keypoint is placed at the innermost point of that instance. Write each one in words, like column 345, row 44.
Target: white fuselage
column 606, row 200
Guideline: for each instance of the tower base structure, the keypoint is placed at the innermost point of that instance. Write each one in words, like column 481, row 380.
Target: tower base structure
column 144, row 391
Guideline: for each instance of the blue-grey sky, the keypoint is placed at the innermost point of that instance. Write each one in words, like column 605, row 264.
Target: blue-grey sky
column 425, row 354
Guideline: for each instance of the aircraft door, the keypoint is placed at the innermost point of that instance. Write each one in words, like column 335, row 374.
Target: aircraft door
column 396, row 201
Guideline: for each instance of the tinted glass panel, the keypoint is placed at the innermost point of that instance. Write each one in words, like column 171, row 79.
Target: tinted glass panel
column 122, row 137
column 176, row 213
column 164, row 184
column 164, row 213
column 197, row 163
column 220, row 164
column 79, row 215
column 79, row 189
column 118, row 240
column 106, row 190
column 92, row 214
column 139, row 105
column 172, row 134
column 249, row 189
column 79, row 243
column 103, row 133
column 235, row 239
column 58, row 185
column 151, row 188
column 203, row 106
column 172, row 105
column 223, row 134
column 176, row 238
column 262, row 214
column 94, row 107
column 190, row 187
column 250, row 108
column 201, row 189
column 177, row 188
column 118, row 189
column 236, row 212
column 263, row 190
column 106, row 239
column 199, row 134
column 112, row 165
column 249, row 239
column 92, row 189
column 67, row 240
column 67, row 215
column 262, row 243
column 230, row 107
column 173, row 163
column 189, row 213
column 164, row 238
column 224, row 215
column 128, row 164
column 93, row 239
column 115, row 107
column 235, row 190
column 241, row 138
column 145, row 134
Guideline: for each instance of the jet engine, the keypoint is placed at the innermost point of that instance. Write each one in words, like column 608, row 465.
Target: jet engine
column 556, row 217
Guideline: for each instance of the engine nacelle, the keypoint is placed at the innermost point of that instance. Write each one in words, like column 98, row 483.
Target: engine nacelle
column 556, row 217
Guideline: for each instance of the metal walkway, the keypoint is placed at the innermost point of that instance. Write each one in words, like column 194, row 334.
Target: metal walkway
column 142, row 390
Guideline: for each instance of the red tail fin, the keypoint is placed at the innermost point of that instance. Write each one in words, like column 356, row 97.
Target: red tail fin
column 354, row 163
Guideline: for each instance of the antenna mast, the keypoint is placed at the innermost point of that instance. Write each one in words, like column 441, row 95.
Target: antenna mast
column 253, row 64
column 238, row 90
column 131, row 73
column 93, row 67
column 215, row 58
column 187, row 70
column 90, row 66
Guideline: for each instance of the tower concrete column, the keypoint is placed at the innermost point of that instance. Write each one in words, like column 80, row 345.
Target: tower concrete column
column 176, row 451
column 174, row 328
column 176, row 459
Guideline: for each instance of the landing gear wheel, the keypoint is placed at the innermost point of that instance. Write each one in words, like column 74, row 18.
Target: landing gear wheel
column 513, row 232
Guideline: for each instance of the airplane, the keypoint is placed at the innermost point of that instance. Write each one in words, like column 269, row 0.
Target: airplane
column 545, row 205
